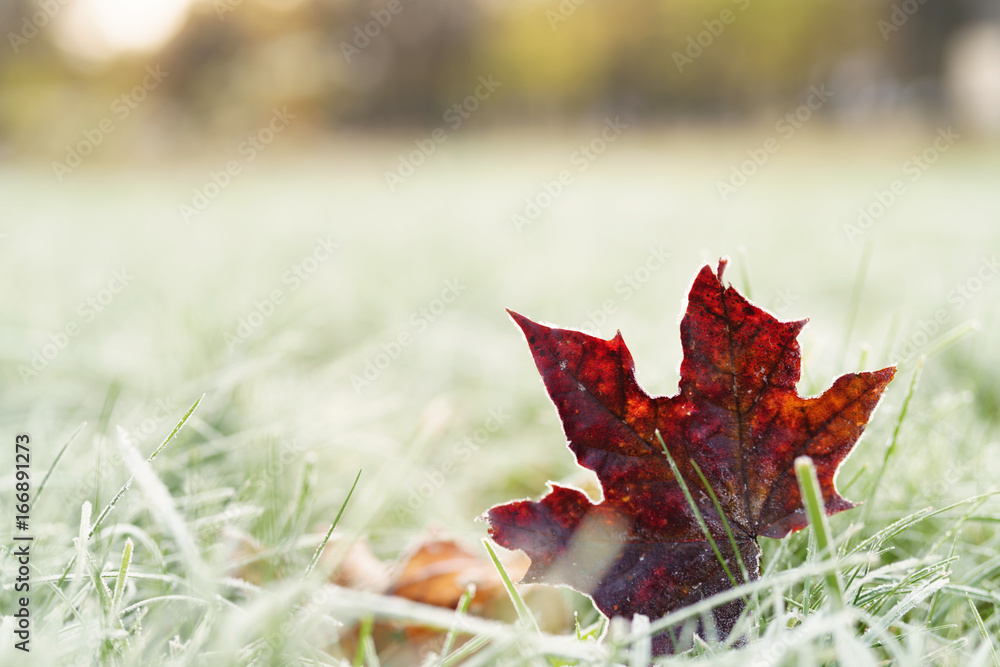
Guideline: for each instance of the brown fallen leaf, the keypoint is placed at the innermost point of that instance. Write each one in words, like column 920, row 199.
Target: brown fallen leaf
column 437, row 571
column 359, row 568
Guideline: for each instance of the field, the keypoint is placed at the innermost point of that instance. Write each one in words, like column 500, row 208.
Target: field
column 336, row 325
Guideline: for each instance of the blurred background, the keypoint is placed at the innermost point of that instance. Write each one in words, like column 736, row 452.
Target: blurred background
column 368, row 66
column 316, row 211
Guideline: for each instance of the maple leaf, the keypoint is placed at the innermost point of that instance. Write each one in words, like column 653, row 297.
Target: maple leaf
column 737, row 416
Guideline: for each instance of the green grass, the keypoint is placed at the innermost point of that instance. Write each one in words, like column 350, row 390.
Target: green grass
column 158, row 571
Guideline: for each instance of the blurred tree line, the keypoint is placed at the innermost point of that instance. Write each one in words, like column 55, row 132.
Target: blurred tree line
column 349, row 63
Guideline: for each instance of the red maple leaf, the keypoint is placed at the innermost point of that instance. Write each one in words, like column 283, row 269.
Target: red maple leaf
column 737, row 416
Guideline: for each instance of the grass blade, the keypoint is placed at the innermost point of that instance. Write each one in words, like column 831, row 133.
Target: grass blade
column 891, row 447
column 163, row 598
column 725, row 522
column 460, row 610
column 951, row 337
column 110, row 401
column 322, row 545
column 982, row 629
column 162, row 506
column 694, row 509
column 522, row 609
column 80, row 542
column 55, row 462
column 114, row 501
column 122, row 576
column 102, row 589
column 641, row 653
column 365, row 653
column 912, row 599
column 300, row 514
column 812, row 498
column 465, row 650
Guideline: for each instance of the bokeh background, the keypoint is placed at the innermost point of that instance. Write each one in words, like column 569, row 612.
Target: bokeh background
column 231, row 61
column 316, row 211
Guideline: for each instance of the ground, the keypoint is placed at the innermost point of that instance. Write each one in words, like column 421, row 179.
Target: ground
column 339, row 320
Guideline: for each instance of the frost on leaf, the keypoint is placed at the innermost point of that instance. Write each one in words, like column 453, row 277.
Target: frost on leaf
column 737, row 415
